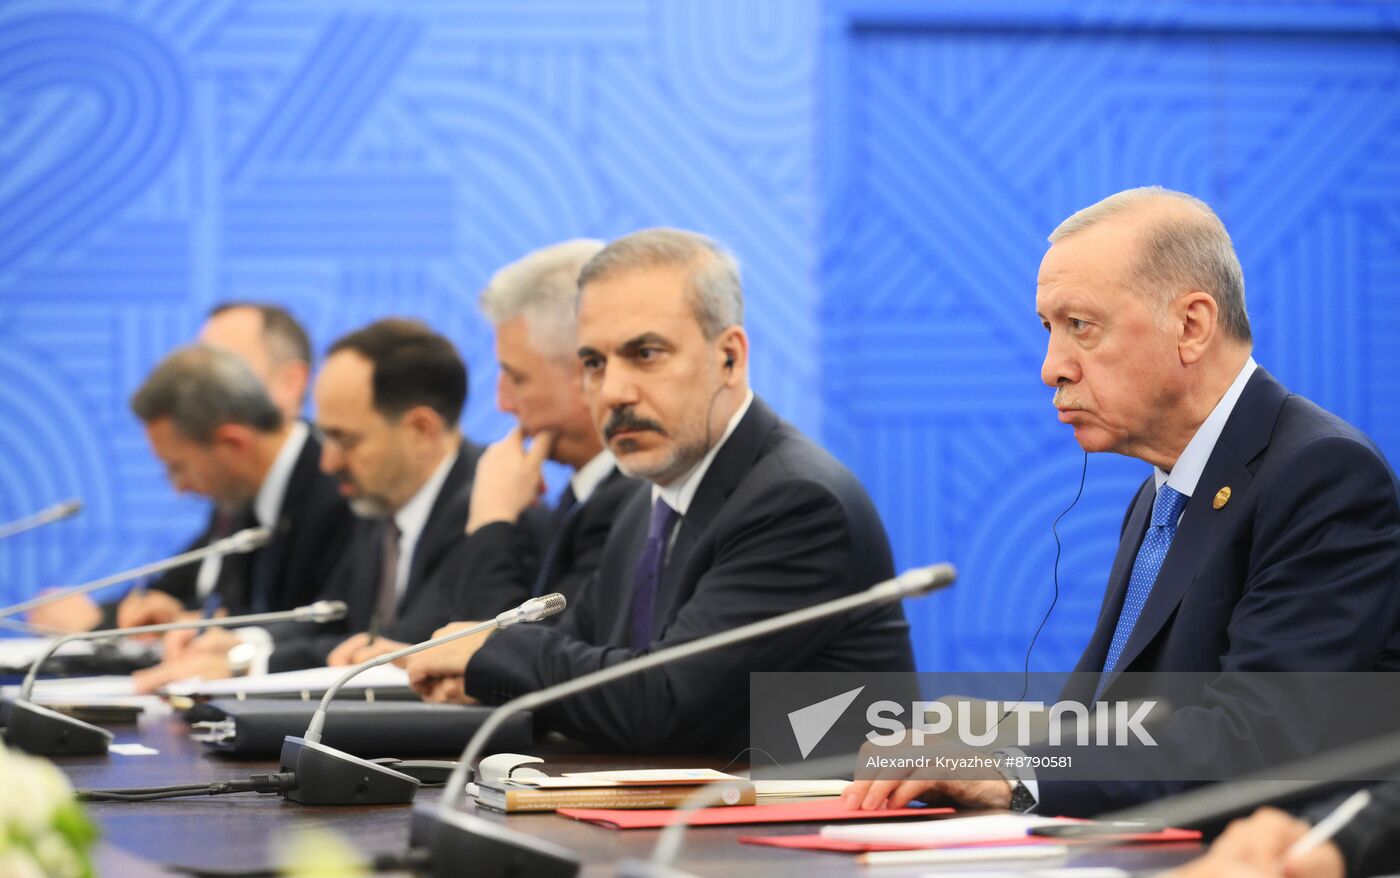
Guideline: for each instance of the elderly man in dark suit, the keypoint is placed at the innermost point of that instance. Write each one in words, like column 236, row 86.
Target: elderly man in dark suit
column 743, row 519
column 1267, row 537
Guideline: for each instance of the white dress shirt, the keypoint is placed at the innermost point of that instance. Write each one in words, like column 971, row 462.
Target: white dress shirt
column 588, row 477
column 412, row 517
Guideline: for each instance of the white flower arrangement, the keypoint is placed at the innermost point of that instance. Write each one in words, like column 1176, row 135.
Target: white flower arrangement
column 43, row 832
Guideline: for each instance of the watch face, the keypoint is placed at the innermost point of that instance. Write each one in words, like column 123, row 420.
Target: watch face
column 1021, row 798
column 241, row 656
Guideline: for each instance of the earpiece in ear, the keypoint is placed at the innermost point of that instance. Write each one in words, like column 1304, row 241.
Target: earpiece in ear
column 729, row 361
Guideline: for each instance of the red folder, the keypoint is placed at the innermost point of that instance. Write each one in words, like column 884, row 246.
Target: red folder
column 821, row 811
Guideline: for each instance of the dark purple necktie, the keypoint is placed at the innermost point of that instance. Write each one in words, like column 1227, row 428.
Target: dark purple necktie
column 648, row 573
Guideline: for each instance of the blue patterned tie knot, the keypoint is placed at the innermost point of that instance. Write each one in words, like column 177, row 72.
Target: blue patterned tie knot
column 1166, row 511
column 647, row 575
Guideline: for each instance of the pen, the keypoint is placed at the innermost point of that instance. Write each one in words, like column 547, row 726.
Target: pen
column 211, row 605
column 1328, row 826
column 373, row 629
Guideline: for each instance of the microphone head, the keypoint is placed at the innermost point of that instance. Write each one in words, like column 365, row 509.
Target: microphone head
column 922, row 580
column 321, row 611
column 67, row 509
column 543, row 607
column 246, row 540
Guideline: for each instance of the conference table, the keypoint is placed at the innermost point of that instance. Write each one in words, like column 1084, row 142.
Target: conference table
column 243, row 830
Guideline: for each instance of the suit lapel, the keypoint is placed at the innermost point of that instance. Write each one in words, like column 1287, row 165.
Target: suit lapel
column 731, row 464
column 269, row 572
column 1245, row 436
column 443, row 527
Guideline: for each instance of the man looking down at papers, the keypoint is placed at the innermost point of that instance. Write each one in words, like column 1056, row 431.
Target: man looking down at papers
column 744, row 519
column 211, row 423
column 294, row 495
column 1267, row 538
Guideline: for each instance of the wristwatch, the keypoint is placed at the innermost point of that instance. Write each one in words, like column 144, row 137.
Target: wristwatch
column 1021, row 798
column 240, row 658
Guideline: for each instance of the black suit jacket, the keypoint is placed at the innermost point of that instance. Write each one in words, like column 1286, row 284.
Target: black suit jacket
column 296, row 565
column 1370, row 843
column 437, row 583
column 776, row 524
column 494, row 559
column 1298, row 571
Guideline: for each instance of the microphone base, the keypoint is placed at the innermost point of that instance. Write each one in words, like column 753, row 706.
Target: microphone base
column 453, row 838
column 45, row 732
column 327, row 776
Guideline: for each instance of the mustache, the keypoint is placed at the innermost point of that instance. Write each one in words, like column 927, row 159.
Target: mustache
column 626, row 419
column 1066, row 398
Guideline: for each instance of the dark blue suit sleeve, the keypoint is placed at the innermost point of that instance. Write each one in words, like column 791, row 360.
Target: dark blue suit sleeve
column 1320, row 595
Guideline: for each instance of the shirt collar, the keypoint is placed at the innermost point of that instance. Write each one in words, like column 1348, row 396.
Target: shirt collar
column 267, row 505
column 678, row 494
column 588, row 477
column 413, row 516
column 1192, row 462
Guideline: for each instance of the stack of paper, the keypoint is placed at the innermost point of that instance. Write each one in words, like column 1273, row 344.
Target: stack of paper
column 311, row 680
column 792, row 790
column 639, row 789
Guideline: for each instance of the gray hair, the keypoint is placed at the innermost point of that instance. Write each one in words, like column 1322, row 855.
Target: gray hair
column 716, row 293
column 1179, row 252
column 200, row 388
column 542, row 287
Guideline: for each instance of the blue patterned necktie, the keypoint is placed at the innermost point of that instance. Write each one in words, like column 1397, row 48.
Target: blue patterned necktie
column 1166, row 510
column 648, row 573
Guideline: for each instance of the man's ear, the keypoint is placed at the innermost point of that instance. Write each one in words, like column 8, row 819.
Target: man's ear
column 734, row 352
column 1197, row 319
column 292, row 378
column 423, row 422
column 231, row 439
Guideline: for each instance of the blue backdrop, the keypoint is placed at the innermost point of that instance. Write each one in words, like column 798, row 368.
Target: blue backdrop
column 886, row 171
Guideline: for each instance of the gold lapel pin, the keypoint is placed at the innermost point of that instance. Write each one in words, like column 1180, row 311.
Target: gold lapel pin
column 1221, row 498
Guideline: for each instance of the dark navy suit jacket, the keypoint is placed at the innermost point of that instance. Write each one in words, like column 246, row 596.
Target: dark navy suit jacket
column 438, row 583
column 1298, row 571
column 776, row 524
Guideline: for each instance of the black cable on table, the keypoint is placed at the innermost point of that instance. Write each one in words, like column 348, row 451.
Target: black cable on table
column 258, row 783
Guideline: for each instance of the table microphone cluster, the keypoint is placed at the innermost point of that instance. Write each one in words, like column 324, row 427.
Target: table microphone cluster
column 327, row 776
column 44, row 732
column 452, row 837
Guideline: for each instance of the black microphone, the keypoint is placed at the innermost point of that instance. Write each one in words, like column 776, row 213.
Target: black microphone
column 327, row 776
column 43, row 732
column 56, row 512
column 454, row 837
column 243, row 541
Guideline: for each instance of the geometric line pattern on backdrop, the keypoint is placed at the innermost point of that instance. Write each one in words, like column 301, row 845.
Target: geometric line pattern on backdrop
column 353, row 161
